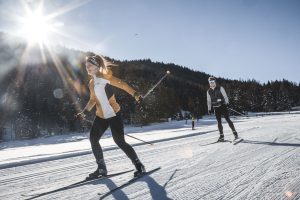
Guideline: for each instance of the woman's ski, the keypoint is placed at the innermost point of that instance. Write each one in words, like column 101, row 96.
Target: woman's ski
column 132, row 180
column 77, row 184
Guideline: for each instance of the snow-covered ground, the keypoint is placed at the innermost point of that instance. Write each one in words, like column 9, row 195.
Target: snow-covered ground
column 266, row 165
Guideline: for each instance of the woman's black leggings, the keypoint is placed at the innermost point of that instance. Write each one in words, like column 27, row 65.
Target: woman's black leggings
column 223, row 110
column 117, row 129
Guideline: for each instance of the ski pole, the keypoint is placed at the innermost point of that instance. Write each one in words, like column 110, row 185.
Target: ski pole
column 140, row 139
column 84, row 119
column 149, row 91
column 238, row 112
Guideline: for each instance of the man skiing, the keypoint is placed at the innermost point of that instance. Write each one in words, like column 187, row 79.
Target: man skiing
column 218, row 100
column 107, row 113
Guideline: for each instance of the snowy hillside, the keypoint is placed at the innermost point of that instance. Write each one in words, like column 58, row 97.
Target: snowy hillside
column 266, row 165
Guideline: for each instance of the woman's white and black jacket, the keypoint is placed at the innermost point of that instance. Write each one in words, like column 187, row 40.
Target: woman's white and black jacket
column 216, row 97
column 101, row 94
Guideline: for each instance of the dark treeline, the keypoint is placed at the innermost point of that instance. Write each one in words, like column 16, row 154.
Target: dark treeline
column 41, row 93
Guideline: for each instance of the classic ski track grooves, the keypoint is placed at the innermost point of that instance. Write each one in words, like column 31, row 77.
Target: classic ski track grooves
column 62, row 169
column 188, row 170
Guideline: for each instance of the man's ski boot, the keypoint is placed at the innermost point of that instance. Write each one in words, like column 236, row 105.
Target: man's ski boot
column 140, row 168
column 236, row 136
column 101, row 171
column 221, row 138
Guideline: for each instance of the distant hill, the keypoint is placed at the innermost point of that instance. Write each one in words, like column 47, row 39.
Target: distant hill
column 40, row 91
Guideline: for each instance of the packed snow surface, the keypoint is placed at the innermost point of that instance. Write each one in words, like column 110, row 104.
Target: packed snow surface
column 266, row 165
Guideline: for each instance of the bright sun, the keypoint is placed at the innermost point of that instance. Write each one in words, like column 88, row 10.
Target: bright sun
column 36, row 27
column 39, row 25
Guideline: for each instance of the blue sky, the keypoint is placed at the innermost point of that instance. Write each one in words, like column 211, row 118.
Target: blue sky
column 237, row 39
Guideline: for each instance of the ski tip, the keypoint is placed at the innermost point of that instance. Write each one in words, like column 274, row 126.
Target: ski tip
column 153, row 170
column 237, row 141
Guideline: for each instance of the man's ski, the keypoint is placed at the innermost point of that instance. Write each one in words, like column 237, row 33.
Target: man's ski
column 77, row 184
column 236, row 141
column 127, row 183
column 214, row 143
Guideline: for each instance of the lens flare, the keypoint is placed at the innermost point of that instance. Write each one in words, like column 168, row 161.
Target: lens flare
column 58, row 93
column 289, row 194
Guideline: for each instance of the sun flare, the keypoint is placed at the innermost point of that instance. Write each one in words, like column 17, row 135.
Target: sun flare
column 36, row 28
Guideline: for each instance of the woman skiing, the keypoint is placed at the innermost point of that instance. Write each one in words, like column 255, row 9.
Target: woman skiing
column 107, row 113
column 217, row 98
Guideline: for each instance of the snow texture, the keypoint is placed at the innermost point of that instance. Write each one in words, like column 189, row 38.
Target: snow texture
column 266, row 165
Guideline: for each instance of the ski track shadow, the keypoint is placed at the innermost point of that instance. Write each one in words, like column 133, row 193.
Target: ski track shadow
column 271, row 143
column 68, row 187
column 157, row 191
column 119, row 194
